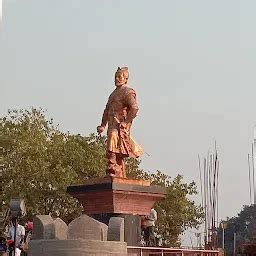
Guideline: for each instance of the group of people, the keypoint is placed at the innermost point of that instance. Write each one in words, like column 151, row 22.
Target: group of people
column 16, row 245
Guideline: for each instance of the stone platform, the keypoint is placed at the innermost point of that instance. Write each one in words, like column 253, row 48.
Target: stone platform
column 84, row 236
column 117, row 195
column 104, row 198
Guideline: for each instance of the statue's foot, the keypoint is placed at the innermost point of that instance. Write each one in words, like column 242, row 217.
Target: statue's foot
column 124, row 174
column 115, row 173
column 119, row 173
column 110, row 172
column 116, row 170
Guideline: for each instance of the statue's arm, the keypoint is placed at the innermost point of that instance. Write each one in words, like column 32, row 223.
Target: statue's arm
column 132, row 106
column 104, row 120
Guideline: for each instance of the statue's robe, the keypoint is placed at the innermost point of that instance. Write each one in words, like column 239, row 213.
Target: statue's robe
column 121, row 107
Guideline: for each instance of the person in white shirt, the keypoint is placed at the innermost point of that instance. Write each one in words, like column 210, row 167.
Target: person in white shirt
column 20, row 233
column 150, row 228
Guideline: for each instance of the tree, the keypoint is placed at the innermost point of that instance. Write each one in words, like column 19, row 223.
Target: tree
column 244, row 225
column 41, row 161
column 177, row 212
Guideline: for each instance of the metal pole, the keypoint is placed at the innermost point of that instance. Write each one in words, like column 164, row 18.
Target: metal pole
column 15, row 234
column 223, row 238
column 250, row 183
column 234, row 243
column 253, row 172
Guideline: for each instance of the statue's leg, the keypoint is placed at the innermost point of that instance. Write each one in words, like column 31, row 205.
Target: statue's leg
column 111, row 163
column 121, row 165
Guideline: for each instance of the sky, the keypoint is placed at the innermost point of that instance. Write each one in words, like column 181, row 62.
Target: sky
column 191, row 64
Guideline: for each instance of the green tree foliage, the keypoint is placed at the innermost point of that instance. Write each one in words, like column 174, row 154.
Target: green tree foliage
column 177, row 212
column 244, row 225
column 133, row 170
column 41, row 161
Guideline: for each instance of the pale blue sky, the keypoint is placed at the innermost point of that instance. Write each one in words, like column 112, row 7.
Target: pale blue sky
column 191, row 62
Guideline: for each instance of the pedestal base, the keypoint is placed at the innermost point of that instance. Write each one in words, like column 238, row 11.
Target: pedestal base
column 132, row 226
column 117, row 195
column 108, row 197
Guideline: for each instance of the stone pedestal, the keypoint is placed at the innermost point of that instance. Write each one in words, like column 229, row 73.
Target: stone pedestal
column 84, row 236
column 76, row 247
column 132, row 226
column 108, row 197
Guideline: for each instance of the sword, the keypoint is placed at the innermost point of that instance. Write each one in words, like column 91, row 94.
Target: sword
column 118, row 121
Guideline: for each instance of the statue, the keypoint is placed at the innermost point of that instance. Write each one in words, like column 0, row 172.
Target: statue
column 119, row 113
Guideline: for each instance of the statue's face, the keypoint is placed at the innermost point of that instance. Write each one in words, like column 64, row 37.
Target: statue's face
column 119, row 79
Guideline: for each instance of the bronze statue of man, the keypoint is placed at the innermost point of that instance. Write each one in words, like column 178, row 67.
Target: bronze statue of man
column 119, row 113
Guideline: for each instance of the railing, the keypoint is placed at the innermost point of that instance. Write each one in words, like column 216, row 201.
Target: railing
column 159, row 251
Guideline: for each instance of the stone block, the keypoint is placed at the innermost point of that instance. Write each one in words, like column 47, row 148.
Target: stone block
column 85, row 227
column 76, row 247
column 43, row 227
column 60, row 229
column 116, row 229
column 132, row 226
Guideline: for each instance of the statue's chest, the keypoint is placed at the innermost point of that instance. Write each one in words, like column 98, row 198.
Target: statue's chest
column 117, row 100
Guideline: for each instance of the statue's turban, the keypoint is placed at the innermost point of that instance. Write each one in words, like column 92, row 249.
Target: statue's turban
column 123, row 70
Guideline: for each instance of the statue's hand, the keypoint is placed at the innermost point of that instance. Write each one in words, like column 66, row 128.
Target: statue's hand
column 123, row 125
column 100, row 129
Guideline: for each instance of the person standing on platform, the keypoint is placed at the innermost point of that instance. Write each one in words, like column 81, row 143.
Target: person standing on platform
column 150, row 228
column 20, row 233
